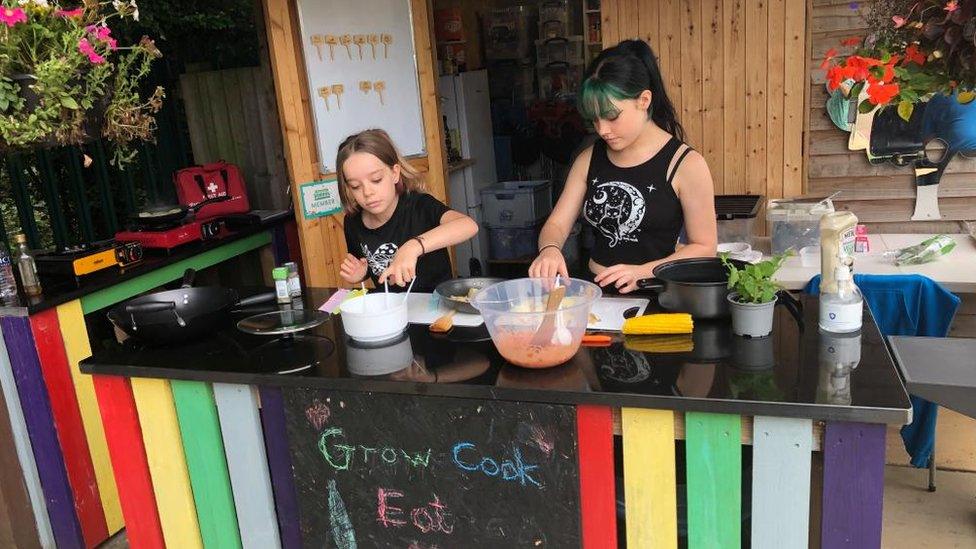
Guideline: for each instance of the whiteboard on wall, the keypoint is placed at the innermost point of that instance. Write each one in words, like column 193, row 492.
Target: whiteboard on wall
column 329, row 62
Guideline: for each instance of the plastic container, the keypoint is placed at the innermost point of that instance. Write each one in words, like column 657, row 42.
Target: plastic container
column 559, row 50
column 516, row 203
column 509, row 32
column 554, row 19
column 280, row 276
column 795, row 223
column 736, row 215
column 557, row 78
column 374, row 317
column 515, row 309
column 513, row 242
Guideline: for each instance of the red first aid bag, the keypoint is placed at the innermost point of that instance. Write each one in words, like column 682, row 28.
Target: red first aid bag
column 215, row 180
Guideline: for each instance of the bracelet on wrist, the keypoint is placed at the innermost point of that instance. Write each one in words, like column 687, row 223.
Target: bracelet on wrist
column 556, row 246
column 423, row 249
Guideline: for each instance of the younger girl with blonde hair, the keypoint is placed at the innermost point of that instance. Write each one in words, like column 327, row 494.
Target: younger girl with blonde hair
column 394, row 230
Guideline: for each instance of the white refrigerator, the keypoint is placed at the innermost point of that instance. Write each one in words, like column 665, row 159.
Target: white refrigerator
column 465, row 105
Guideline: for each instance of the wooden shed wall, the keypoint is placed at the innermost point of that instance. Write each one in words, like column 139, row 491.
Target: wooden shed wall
column 735, row 72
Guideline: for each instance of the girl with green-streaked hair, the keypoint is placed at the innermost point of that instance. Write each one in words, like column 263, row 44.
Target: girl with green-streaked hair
column 639, row 185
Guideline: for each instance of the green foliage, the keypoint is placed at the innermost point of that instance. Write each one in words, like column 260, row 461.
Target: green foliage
column 754, row 283
column 64, row 79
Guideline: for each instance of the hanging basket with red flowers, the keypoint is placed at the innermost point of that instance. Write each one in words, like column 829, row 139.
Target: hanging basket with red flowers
column 916, row 48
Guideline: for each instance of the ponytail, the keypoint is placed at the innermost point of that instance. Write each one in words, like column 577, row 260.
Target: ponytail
column 624, row 72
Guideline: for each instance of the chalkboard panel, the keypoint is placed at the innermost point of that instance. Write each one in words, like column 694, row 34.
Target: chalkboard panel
column 378, row 470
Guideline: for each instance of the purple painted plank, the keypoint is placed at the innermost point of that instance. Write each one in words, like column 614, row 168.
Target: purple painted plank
column 40, row 428
column 853, row 485
column 279, row 463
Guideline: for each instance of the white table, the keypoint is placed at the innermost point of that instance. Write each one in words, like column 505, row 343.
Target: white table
column 956, row 272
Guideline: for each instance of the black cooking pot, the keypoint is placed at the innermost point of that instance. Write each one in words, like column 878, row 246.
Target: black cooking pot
column 699, row 286
column 180, row 315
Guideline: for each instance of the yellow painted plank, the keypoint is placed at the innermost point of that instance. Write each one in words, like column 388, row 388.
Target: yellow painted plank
column 649, row 478
column 77, row 347
column 167, row 464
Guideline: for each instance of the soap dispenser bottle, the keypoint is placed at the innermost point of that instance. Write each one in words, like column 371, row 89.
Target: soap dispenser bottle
column 841, row 309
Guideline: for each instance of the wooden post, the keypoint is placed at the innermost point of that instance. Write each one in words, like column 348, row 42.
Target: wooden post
column 322, row 241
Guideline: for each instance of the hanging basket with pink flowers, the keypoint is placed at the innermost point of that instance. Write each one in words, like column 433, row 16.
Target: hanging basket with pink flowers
column 65, row 79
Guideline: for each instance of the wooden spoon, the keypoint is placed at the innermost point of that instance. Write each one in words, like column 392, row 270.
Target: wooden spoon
column 544, row 335
column 443, row 324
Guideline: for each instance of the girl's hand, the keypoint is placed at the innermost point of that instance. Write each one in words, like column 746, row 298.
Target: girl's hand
column 549, row 263
column 353, row 269
column 623, row 277
column 403, row 268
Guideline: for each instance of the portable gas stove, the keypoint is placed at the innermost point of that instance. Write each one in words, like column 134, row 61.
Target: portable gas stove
column 86, row 259
column 168, row 237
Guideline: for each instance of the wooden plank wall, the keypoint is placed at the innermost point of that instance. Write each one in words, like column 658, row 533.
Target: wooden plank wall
column 232, row 116
column 322, row 242
column 734, row 71
column 883, row 196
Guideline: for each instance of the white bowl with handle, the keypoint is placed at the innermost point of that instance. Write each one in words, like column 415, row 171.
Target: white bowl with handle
column 374, row 317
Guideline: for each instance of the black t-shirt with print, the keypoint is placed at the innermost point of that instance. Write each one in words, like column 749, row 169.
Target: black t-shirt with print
column 415, row 214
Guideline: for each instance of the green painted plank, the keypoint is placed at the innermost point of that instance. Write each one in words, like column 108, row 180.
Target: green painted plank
column 135, row 286
column 204, row 448
column 714, row 465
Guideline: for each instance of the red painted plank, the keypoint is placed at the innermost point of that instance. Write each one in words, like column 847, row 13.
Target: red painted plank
column 598, row 503
column 67, row 421
column 124, row 437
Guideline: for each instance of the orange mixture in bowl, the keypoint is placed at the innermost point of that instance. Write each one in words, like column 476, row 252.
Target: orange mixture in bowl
column 515, row 347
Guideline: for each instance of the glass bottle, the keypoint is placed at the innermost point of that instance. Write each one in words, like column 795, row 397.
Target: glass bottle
column 27, row 267
column 8, row 284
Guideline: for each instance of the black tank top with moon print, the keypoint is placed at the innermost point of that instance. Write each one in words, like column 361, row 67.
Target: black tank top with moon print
column 634, row 211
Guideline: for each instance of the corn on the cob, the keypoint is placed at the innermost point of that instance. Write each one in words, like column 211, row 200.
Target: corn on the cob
column 660, row 323
column 660, row 344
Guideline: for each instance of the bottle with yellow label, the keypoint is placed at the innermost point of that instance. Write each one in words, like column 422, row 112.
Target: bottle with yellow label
column 837, row 237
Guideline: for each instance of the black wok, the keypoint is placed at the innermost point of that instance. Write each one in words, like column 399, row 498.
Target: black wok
column 180, row 315
column 699, row 286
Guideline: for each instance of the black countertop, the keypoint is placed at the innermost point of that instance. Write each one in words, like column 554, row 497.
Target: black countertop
column 793, row 373
column 60, row 290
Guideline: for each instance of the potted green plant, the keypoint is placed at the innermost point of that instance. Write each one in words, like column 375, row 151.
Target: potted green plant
column 66, row 80
column 753, row 296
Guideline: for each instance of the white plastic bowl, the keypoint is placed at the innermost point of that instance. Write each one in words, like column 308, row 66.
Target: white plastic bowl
column 374, row 317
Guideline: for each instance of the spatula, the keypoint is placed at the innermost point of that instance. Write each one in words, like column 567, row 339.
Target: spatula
column 443, row 324
column 543, row 335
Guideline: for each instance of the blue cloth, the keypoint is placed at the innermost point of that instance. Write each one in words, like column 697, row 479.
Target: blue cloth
column 908, row 305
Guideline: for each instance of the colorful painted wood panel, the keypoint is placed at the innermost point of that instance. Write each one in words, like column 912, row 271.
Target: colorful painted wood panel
column 123, row 434
column 16, row 516
column 598, row 505
column 279, row 466
column 167, row 464
column 25, row 452
column 204, row 449
column 853, row 485
column 781, row 481
column 714, row 468
column 240, row 425
column 40, row 426
column 650, row 488
column 77, row 347
column 68, row 425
